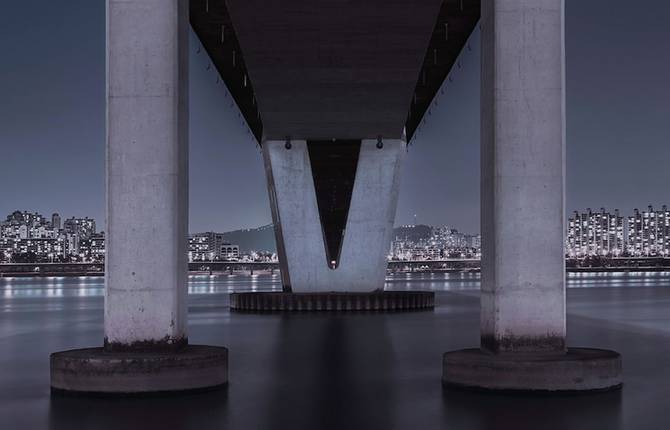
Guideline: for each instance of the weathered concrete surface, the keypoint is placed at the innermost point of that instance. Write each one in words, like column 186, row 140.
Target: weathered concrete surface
column 580, row 369
column 523, row 315
column 523, row 175
column 147, row 171
column 146, row 347
column 375, row 301
column 96, row 371
column 369, row 226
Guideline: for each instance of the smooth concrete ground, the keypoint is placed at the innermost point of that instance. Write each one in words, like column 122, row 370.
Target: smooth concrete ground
column 370, row 371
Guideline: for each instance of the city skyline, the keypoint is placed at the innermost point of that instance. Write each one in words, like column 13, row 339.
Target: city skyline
column 29, row 236
column 101, row 223
column 59, row 122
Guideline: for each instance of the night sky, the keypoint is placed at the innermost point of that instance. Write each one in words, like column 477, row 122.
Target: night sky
column 52, row 113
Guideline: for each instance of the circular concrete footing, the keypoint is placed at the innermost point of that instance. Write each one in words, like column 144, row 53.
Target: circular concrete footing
column 580, row 369
column 96, row 371
column 375, row 301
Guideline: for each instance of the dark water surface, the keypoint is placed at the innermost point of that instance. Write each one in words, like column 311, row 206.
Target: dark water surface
column 346, row 371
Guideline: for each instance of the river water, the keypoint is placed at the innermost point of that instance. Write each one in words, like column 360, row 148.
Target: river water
column 92, row 286
column 338, row 371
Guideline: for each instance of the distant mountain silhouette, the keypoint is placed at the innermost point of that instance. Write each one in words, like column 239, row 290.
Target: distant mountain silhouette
column 263, row 238
column 253, row 239
column 412, row 233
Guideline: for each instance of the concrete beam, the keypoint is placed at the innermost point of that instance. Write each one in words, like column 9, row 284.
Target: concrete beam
column 323, row 69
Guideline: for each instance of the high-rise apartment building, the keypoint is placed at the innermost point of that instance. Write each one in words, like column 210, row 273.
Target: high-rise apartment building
column 210, row 246
column 84, row 228
column 595, row 233
column 55, row 221
column 649, row 232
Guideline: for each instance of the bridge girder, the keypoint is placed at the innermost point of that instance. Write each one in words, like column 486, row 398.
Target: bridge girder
column 326, row 70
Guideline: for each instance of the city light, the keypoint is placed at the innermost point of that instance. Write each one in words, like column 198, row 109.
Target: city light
column 644, row 234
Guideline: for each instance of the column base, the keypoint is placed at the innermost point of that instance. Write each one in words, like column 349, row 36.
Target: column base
column 97, row 371
column 580, row 369
column 334, row 301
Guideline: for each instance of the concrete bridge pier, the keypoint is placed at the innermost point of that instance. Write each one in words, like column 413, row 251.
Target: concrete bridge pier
column 523, row 316
column 146, row 346
column 333, row 205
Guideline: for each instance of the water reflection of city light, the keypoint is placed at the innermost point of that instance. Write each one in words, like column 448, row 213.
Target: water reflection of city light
column 85, row 287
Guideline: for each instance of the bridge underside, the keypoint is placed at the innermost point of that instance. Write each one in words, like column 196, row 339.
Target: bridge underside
column 342, row 79
column 333, row 90
column 328, row 69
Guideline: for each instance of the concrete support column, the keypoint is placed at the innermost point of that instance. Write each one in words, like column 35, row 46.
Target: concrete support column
column 522, row 190
column 361, row 265
column 147, row 173
column 523, row 176
column 145, row 349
